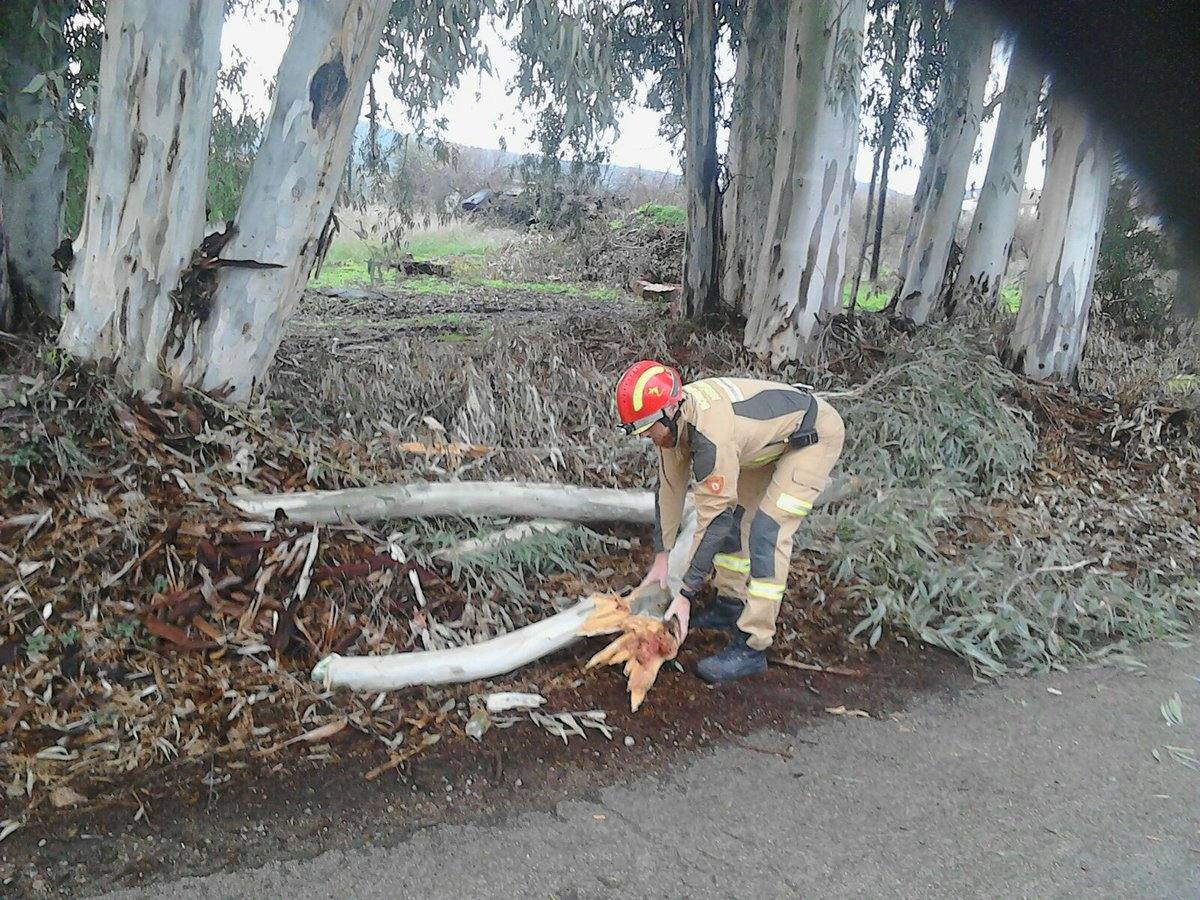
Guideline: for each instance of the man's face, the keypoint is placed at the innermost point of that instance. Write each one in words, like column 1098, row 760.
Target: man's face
column 662, row 436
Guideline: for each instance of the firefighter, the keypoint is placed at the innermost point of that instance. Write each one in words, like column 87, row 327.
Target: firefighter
column 758, row 454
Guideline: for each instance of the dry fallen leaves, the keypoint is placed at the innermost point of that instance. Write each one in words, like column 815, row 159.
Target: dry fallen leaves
column 63, row 797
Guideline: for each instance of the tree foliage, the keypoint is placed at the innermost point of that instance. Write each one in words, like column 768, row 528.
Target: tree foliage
column 1130, row 284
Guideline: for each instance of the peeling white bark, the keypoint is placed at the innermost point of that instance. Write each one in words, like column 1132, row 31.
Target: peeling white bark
column 700, row 280
column 290, row 190
column 802, row 261
column 144, row 211
column 948, row 157
column 1047, row 341
column 751, row 158
column 35, row 190
column 989, row 243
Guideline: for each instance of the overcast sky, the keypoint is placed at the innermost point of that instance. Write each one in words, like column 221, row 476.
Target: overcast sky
column 481, row 114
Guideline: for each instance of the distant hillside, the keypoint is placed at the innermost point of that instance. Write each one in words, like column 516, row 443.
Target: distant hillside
column 494, row 160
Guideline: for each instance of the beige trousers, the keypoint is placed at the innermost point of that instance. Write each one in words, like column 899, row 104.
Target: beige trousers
column 772, row 501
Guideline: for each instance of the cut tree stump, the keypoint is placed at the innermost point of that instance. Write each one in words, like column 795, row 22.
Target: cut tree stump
column 670, row 294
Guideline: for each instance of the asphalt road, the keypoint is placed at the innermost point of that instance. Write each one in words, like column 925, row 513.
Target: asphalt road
column 1006, row 791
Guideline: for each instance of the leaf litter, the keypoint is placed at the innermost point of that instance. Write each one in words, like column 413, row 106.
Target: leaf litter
column 143, row 623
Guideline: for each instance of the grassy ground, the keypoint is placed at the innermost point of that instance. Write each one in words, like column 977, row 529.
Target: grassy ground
column 466, row 248
column 872, row 297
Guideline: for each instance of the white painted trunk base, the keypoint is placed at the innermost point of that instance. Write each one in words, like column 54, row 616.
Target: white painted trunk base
column 290, row 191
column 1048, row 339
column 989, row 243
column 944, row 173
column 144, row 210
column 802, row 261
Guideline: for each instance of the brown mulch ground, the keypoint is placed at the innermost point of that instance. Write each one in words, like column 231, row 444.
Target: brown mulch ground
column 155, row 647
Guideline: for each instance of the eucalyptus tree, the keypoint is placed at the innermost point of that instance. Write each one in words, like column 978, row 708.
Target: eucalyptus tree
column 993, row 226
column 950, row 143
column 802, row 260
column 1048, row 337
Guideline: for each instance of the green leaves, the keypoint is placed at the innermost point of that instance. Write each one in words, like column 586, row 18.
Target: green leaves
column 954, row 542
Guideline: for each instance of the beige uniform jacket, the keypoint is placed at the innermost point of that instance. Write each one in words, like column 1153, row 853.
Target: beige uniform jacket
column 725, row 425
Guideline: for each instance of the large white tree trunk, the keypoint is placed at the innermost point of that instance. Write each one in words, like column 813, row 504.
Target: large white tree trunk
column 144, row 210
column 1047, row 341
column 798, row 277
column 956, row 126
column 701, row 252
column 754, row 123
column 989, row 243
column 34, row 184
column 290, row 191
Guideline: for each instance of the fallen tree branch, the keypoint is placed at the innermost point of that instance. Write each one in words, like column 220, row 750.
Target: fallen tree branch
column 463, row 664
column 500, row 655
column 463, row 498
column 482, row 499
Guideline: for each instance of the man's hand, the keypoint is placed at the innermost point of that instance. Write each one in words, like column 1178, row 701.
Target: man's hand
column 658, row 572
column 680, row 610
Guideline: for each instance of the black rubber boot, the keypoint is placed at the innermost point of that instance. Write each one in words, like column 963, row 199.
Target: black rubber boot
column 722, row 613
column 738, row 660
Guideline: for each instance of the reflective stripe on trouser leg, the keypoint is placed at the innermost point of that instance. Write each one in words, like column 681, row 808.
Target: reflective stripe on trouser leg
column 732, row 565
column 770, row 558
column 729, row 575
column 738, row 564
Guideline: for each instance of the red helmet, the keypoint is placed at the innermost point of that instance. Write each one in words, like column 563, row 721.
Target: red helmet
column 642, row 393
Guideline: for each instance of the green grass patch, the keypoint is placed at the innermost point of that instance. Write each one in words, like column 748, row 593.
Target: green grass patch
column 465, row 242
column 1010, row 297
column 662, row 214
column 346, row 266
column 871, row 298
column 540, row 287
column 341, row 273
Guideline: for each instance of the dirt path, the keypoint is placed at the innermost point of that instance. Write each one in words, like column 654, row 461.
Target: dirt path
column 1042, row 787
